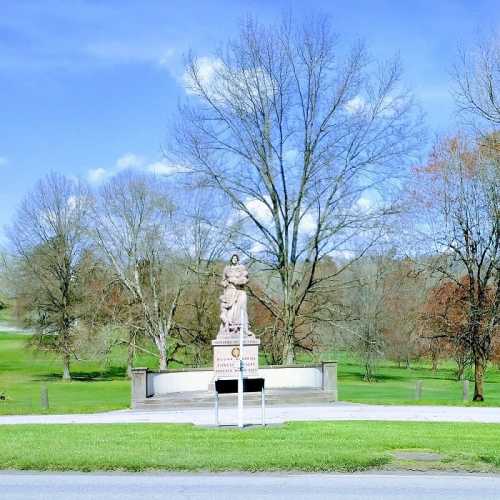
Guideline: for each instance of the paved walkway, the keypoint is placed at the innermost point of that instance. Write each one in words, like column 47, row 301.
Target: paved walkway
column 274, row 415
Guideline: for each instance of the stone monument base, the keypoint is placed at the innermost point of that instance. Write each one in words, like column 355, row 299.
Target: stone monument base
column 227, row 356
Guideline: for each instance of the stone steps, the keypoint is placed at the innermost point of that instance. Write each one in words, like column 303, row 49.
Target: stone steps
column 205, row 399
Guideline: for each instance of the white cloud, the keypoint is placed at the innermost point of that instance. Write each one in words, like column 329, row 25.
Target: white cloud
column 307, row 224
column 3, row 161
column 165, row 168
column 342, row 254
column 98, row 175
column 290, row 155
column 258, row 247
column 207, row 68
column 72, row 202
column 166, row 58
column 388, row 107
column 364, row 204
column 391, row 105
column 222, row 84
column 129, row 160
column 259, row 209
column 355, row 105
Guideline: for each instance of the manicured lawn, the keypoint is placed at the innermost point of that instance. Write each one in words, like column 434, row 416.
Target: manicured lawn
column 100, row 386
column 318, row 446
column 397, row 385
column 22, row 373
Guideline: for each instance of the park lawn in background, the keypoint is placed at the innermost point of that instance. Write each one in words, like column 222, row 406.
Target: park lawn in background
column 95, row 387
column 99, row 386
column 304, row 446
column 394, row 385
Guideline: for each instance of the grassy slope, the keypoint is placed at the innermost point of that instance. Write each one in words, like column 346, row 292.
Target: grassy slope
column 325, row 446
column 99, row 387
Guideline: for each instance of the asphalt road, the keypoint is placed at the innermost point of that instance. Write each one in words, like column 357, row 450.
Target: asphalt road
column 91, row 486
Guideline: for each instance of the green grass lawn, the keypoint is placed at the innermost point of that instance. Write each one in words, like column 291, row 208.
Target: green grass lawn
column 397, row 385
column 22, row 374
column 306, row 446
column 99, row 386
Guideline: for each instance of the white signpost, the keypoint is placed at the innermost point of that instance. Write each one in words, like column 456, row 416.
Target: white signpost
column 240, row 374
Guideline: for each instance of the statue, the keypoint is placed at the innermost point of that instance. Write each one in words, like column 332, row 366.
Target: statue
column 233, row 300
column 234, row 319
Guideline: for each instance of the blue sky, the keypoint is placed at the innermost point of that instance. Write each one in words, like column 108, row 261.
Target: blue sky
column 89, row 86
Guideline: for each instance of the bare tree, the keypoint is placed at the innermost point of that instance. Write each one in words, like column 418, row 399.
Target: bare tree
column 202, row 248
column 294, row 131
column 458, row 204
column 133, row 230
column 477, row 77
column 110, row 314
column 366, row 326
column 406, row 291
column 49, row 247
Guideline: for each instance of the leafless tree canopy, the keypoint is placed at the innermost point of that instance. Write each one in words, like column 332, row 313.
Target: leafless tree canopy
column 132, row 226
column 293, row 129
column 477, row 77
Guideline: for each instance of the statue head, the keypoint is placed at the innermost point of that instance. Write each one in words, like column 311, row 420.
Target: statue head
column 234, row 259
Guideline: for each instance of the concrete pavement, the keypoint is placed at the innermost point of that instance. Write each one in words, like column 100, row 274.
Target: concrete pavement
column 274, row 415
column 373, row 486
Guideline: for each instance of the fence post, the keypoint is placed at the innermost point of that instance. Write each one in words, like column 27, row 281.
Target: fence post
column 418, row 390
column 465, row 390
column 44, row 397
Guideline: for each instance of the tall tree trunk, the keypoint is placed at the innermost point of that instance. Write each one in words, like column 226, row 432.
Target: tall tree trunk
column 435, row 361
column 368, row 377
column 479, row 367
column 460, row 367
column 130, row 355
column 288, row 357
column 161, row 343
column 288, row 349
column 66, row 362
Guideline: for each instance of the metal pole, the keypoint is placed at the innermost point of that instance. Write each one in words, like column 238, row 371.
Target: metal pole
column 418, row 390
column 240, row 376
column 216, row 408
column 44, row 397
column 263, row 405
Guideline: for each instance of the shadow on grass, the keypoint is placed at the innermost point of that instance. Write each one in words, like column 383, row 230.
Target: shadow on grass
column 384, row 373
column 106, row 375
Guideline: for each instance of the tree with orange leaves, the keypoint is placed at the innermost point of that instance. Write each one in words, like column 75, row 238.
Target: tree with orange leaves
column 458, row 196
column 445, row 317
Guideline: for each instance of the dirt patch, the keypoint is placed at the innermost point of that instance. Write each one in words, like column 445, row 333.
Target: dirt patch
column 417, row 456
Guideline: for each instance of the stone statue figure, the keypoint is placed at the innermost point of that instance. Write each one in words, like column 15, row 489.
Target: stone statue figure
column 233, row 300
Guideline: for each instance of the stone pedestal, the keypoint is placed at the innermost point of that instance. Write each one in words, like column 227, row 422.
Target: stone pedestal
column 227, row 355
column 139, row 385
